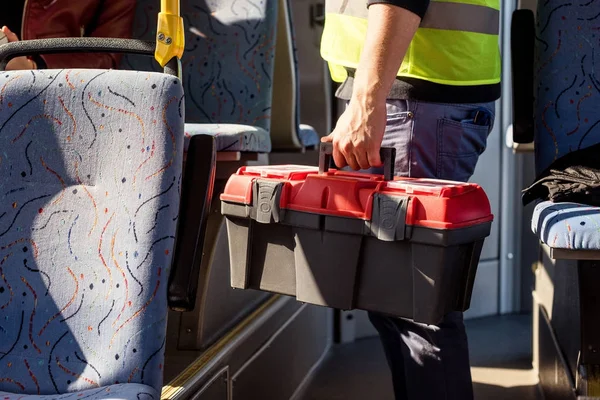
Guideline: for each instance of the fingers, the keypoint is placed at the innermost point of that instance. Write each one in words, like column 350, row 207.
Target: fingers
column 338, row 156
column 360, row 153
column 12, row 37
column 374, row 157
column 346, row 152
column 352, row 163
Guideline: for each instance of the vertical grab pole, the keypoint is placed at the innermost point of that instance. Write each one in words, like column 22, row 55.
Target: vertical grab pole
column 170, row 39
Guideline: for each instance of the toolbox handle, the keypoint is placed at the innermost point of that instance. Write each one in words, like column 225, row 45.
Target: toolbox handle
column 387, row 154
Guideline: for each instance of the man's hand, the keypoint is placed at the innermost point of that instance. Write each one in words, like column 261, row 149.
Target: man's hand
column 359, row 132
column 17, row 63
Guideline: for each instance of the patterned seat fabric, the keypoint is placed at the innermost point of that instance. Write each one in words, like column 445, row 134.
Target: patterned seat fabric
column 566, row 87
column 227, row 66
column 567, row 226
column 308, row 136
column 90, row 163
column 231, row 137
column 566, row 114
column 114, row 392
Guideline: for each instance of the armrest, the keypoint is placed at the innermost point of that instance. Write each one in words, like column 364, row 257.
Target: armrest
column 9, row 51
column 522, row 43
column 196, row 194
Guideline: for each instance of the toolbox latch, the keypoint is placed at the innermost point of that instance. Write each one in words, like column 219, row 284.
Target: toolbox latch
column 266, row 196
column 388, row 222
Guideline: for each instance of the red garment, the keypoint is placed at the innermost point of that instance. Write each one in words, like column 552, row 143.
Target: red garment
column 44, row 19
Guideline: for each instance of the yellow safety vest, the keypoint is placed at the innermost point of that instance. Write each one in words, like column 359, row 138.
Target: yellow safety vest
column 456, row 43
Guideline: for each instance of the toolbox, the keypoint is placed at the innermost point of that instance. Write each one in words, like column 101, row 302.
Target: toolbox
column 403, row 247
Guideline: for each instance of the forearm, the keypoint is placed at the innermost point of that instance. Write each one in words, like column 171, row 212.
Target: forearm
column 390, row 31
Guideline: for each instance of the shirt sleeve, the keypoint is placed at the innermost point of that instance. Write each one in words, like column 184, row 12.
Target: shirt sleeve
column 418, row 7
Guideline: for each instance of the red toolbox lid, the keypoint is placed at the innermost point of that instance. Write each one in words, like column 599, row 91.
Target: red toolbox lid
column 434, row 204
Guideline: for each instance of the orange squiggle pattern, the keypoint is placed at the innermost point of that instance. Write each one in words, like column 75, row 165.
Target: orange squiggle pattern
column 31, row 242
column 152, row 149
column 43, row 116
column 91, row 198
column 33, row 378
column 14, row 78
column 62, row 103
column 553, row 54
column 120, row 110
column 66, row 306
column 62, row 182
column 102, row 257
column 244, row 70
column 261, row 117
column 112, row 252
column 91, row 382
column 267, row 53
column 241, row 107
column 552, row 134
column 9, row 380
column 68, row 81
column 6, row 282
column 135, row 370
column 138, row 312
column 164, row 118
column 578, row 116
column 32, row 315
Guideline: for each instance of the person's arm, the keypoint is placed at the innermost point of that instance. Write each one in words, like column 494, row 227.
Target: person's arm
column 115, row 20
column 358, row 134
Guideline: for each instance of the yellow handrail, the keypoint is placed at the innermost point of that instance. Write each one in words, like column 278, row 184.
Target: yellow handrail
column 170, row 40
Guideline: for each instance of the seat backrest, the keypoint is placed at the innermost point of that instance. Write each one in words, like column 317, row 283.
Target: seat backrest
column 285, row 118
column 90, row 167
column 314, row 81
column 567, row 91
column 228, row 61
column 291, row 93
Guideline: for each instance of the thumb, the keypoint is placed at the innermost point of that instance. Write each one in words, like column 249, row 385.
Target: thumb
column 9, row 34
column 327, row 139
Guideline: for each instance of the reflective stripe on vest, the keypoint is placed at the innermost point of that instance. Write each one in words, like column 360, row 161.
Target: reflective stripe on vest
column 465, row 17
column 456, row 43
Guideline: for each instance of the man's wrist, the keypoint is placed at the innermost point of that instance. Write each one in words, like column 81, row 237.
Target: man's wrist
column 369, row 93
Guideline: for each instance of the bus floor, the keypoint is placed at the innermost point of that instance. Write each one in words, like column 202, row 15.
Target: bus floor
column 500, row 352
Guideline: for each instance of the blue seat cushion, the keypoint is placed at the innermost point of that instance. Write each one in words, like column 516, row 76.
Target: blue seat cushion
column 123, row 391
column 232, row 137
column 308, row 136
column 568, row 226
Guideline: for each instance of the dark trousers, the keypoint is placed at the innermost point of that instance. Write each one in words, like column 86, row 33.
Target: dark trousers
column 442, row 141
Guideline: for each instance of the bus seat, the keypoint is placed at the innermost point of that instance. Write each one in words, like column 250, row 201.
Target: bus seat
column 566, row 89
column 567, row 226
column 565, row 120
column 227, row 69
column 90, row 166
column 286, row 131
column 227, row 66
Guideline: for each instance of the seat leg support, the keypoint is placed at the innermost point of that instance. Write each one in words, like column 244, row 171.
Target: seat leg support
column 589, row 306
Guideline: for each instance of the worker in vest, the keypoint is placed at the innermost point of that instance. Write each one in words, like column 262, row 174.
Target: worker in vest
column 421, row 76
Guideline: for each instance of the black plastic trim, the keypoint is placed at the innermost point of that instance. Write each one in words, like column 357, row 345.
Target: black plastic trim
column 387, row 154
column 196, row 194
column 354, row 226
column 589, row 299
column 522, row 42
